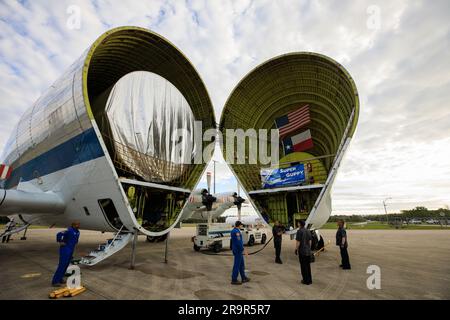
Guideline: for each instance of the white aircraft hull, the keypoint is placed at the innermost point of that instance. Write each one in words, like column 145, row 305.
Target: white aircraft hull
column 57, row 147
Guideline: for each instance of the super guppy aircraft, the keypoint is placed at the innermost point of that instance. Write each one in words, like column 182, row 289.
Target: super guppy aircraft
column 97, row 146
column 274, row 90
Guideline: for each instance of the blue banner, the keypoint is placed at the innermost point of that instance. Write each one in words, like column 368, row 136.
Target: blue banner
column 281, row 177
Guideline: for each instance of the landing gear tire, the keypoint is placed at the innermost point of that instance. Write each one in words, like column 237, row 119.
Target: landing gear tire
column 196, row 248
column 263, row 239
column 156, row 239
column 216, row 248
column 161, row 238
column 251, row 241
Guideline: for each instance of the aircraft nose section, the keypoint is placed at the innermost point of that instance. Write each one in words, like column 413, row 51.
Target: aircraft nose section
column 150, row 106
column 297, row 109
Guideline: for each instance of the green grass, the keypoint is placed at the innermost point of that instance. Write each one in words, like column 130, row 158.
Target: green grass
column 2, row 226
column 375, row 225
column 188, row 224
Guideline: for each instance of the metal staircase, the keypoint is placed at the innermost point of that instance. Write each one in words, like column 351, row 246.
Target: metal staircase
column 112, row 246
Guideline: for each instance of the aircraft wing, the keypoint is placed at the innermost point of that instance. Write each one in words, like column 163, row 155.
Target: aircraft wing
column 202, row 213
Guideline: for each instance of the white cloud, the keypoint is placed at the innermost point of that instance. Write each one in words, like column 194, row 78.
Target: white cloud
column 401, row 148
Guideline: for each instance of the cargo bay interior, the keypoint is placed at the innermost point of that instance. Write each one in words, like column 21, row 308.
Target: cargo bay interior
column 276, row 88
column 156, row 182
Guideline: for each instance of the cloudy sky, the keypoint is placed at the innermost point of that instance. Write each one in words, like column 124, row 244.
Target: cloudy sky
column 398, row 53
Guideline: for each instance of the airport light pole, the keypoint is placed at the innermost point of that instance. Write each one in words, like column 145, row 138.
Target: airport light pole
column 385, row 210
column 239, row 194
column 214, row 172
column 208, row 181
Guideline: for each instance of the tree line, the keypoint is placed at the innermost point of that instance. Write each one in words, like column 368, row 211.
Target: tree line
column 417, row 212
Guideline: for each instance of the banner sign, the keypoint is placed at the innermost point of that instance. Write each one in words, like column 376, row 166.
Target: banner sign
column 281, row 177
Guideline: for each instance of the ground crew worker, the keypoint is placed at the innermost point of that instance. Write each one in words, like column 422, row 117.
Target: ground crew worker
column 8, row 227
column 68, row 240
column 303, row 250
column 237, row 246
column 342, row 242
column 277, row 232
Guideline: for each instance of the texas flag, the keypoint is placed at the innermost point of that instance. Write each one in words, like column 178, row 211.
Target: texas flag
column 298, row 143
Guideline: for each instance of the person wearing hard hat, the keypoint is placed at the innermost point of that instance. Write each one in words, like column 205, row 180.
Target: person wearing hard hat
column 237, row 246
column 67, row 241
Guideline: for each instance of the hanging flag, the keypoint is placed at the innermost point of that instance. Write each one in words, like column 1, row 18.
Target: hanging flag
column 5, row 172
column 280, row 177
column 298, row 143
column 293, row 121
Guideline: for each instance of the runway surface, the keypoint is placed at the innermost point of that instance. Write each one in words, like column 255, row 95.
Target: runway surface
column 414, row 264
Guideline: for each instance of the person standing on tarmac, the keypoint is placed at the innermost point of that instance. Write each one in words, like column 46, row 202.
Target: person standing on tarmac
column 237, row 246
column 67, row 240
column 303, row 250
column 277, row 232
column 342, row 242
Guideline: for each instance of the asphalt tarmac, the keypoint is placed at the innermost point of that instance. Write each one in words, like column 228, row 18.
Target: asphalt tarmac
column 413, row 264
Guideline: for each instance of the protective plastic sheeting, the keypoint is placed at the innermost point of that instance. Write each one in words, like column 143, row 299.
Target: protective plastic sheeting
column 150, row 126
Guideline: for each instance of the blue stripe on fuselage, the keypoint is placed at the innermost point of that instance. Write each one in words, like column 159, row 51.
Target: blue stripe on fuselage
column 79, row 149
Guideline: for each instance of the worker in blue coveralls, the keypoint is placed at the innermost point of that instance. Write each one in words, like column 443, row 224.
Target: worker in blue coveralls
column 237, row 245
column 67, row 240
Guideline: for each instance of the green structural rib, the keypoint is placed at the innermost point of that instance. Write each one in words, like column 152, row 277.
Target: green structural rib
column 275, row 88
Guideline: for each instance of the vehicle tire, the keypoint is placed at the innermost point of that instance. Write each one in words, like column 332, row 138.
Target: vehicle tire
column 251, row 241
column 196, row 247
column 263, row 238
column 216, row 248
column 161, row 238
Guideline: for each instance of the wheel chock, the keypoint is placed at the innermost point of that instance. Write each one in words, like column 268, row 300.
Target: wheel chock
column 74, row 292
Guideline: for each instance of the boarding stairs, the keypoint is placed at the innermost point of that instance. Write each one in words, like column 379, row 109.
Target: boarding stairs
column 112, row 246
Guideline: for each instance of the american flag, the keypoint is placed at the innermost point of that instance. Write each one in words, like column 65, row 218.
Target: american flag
column 293, row 121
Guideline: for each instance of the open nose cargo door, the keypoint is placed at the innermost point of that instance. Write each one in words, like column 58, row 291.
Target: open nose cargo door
column 312, row 101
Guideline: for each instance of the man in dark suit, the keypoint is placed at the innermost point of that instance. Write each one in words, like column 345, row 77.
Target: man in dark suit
column 303, row 250
column 342, row 242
